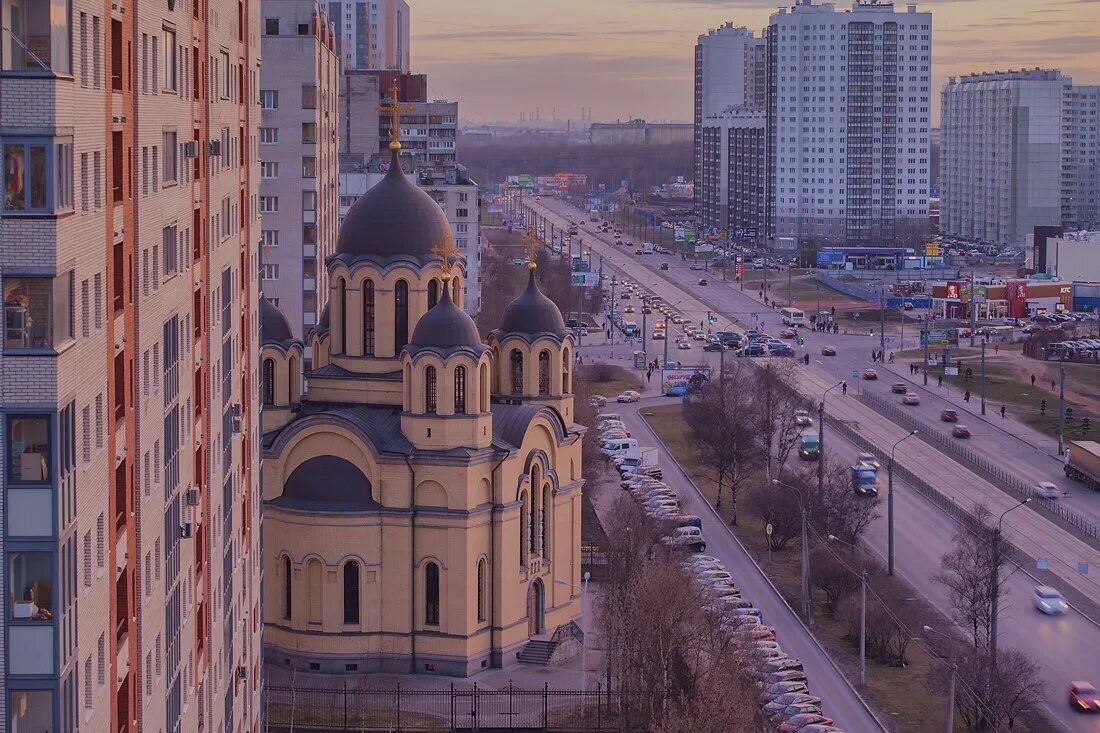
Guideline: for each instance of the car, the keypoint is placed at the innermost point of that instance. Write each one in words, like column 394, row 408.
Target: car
column 949, row 416
column 828, row 351
column 776, row 689
column 870, row 374
column 1083, row 697
column 702, row 281
column 910, row 398
column 713, row 346
column 961, row 431
column 1049, row 601
column 802, row 418
column 647, row 310
column 800, row 721
column 664, row 266
column 628, row 396
column 1047, row 490
column 788, row 333
column 786, row 712
column 753, row 350
column 677, row 320
column 683, row 345
column 625, row 295
column 790, row 698
column 695, row 266
column 899, row 388
column 597, row 400
column 628, row 309
column 868, row 459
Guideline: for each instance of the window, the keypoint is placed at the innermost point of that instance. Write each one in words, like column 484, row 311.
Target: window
column 269, row 204
column 38, row 175
column 368, row 318
column 170, row 237
column 225, row 74
column 462, row 212
column 546, row 521
column 38, row 312
column 433, row 293
column 401, row 315
column 309, row 132
column 37, row 36
column 268, row 377
column 269, row 135
column 31, row 579
column 309, row 200
column 269, row 272
column 171, row 153
column 309, row 96
column 544, row 373
column 481, row 589
column 351, row 592
column 309, row 167
column 517, row 371
column 460, row 390
column 524, row 511
column 566, row 381
column 169, row 59
column 269, row 170
column 532, row 514
column 431, row 390
column 269, row 237
column 287, row 587
column 33, row 709
column 271, row 26
column 431, row 594
column 269, row 98
column 28, row 449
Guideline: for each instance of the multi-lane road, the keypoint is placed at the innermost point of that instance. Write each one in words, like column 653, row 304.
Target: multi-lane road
column 923, row 533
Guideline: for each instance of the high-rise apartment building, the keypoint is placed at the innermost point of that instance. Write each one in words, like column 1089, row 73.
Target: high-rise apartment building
column 848, row 111
column 732, row 194
column 1019, row 151
column 129, row 363
column 299, row 158
column 371, row 34
column 729, row 72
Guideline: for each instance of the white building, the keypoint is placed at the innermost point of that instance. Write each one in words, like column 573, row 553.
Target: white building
column 372, row 34
column 848, row 110
column 460, row 198
column 1074, row 256
column 731, row 192
column 1081, row 157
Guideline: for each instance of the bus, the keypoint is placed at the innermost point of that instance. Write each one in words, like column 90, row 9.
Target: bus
column 792, row 317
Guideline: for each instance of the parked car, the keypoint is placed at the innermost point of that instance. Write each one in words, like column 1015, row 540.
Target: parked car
column 628, row 396
column 949, row 416
column 910, row 398
column 1049, row 601
column 800, row 721
column 960, row 431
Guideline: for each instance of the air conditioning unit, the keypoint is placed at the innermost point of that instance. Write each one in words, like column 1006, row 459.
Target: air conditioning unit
column 242, row 672
column 191, row 149
column 214, row 147
column 236, row 423
column 191, row 496
column 187, row 530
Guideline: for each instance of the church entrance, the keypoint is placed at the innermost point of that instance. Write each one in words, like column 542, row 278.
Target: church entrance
column 534, row 609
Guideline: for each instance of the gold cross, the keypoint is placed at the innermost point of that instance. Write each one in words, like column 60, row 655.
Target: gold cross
column 394, row 109
column 531, row 242
column 445, row 250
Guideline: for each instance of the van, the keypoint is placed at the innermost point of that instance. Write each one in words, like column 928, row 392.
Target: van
column 647, row 248
column 619, row 445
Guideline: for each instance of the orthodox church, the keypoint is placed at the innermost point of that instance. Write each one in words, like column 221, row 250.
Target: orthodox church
column 421, row 487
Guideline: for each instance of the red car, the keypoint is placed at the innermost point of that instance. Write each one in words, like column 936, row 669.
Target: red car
column 870, row 374
column 910, row 398
column 1083, row 697
column 828, row 351
column 949, row 416
column 961, row 431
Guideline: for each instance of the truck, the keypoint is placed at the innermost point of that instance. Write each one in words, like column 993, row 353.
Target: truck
column 594, row 215
column 864, row 479
column 647, row 248
column 1083, row 462
column 809, row 447
column 638, row 460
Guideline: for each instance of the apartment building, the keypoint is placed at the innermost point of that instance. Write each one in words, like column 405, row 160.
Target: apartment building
column 128, row 365
column 299, row 158
column 732, row 191
column 1081, row 157
column 848, row 122
column 460, row 198
column 371, row 34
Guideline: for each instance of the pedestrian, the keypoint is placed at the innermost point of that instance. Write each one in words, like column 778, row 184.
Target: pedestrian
column 1032, row 380
column 873, row 355
column 1002, row 412
column 649, row 376
column 844, row 388
column 1052, row 385
column 966, row 396
column 939, row 382
column 996, row 348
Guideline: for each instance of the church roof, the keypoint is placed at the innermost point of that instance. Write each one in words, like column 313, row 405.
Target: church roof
column 395, row 218
column 328, row 483
column 445, row 328
column 273, row 324
column 532, row 314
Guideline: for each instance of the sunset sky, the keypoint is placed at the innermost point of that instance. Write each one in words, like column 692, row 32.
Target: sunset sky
column 633, row 58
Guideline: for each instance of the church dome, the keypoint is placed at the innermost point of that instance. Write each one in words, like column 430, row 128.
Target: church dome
column 396, row 217
column 532, row 313
column 273, row 324
column 445, row 327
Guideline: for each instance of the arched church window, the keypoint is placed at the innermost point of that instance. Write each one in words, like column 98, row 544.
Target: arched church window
column 481, row 589
column 533, row 514
column 351, row 592
column 433, row 293
column 431, row 594
column 566, row 378
column 517, row 371
column 431, row 389
column 460, row 390
column 294, row 386
column 269, row 382
column 524, row 511
column 287, row 580
column 544, row 372
column 316, row 595
column 456, row 292
column 400, row 316
column 368, row 318
column 342, row 299
column 546, row 520
column 484, row 390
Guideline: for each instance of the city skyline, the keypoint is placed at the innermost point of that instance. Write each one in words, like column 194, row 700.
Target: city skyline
column 633, row 58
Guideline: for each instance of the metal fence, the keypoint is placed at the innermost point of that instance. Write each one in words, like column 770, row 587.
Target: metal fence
column 1004, row 479
column 314, row 710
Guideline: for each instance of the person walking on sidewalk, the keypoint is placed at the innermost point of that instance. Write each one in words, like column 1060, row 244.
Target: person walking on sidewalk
column 1002, row 412
column 1032, row 380
column 939, row 381
column 966, row 396
column 844, row 388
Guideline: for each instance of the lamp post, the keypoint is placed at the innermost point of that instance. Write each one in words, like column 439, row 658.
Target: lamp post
column 821, row 440
column 983, row 377
column 890, row 505
column 806, row 605
column 951, row 683
column 995, row 586
column 1061, row 409
column 862, row 611
column 584, row 637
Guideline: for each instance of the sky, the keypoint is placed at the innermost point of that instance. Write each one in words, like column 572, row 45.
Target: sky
column 634, row 58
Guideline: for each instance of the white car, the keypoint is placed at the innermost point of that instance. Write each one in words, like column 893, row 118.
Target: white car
column 713, row 575
column 1049, row 601
column 1047, row 490
column 628, row 396
column 696, row 560
column 802, row 418
column 683, row 346
column 868, row 459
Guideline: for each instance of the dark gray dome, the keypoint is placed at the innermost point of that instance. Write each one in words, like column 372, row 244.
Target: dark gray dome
column 273, row 324
column 446, row 326
column 532, row 313
column 395, row 217
column 329, row 479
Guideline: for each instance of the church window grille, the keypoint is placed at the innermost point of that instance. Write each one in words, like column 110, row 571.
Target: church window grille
column 401, row 315
column 368, row 318
column 431, row 594
column 544, row 373
column 517, row 371
column 351, row 592
column 433, row 293
column 460, row 390
column 430, row 390
column 269, row 382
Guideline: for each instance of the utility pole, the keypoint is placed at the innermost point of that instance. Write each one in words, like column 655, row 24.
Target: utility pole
column 995, row 584
column 1061, row 409
column 890, row 506
column 882, row 316
column 983, row 377
column 973, row 305
column 927, row 338
column 807, row 606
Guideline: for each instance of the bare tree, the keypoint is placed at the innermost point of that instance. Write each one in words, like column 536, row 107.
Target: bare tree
column 1019, row 685
column 968, row 576
column 836, row 580
column 774, row 404
column 779, row 508
column 989, row 698
column 838, row 510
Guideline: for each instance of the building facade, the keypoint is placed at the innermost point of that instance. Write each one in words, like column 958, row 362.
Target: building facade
column 734, row 186
column 129, row 364
column 371, row 34
column 639, row 132
column 848, row 122
column 1081, row 157
column 422, row 496
column 299, row 158
column 1074, row 256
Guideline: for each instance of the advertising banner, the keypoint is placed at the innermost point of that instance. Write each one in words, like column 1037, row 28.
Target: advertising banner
column 580, row 264
column 586, row 279
column 679, row 234
column 683, row 377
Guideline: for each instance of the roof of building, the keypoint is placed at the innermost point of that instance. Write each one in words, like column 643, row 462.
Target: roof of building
column 445, row 328
column 331, row 481
column 395, row 218
column 532, row 313
column 273, row 324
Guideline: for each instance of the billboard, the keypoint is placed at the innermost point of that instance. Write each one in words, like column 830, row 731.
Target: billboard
column 830, row 257
column 940, row 337
column 586, row 279
column 932, row 249
column 580, row 264
column 683, row 377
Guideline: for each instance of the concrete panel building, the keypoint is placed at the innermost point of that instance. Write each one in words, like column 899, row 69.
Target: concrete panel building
column 731, row 196
column 371, row 34
column 1073, row 256
column 639, row 132
column 848, row 121
column 1081, row 157
column 128, row 234
column 299, row 154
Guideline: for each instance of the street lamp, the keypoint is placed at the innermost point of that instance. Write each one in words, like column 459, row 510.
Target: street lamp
column 821, row 440
column 951, row 684
column 584, row 637
column 995, row 588
column 862, row 611
column 806, row 606
column 890, row 505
